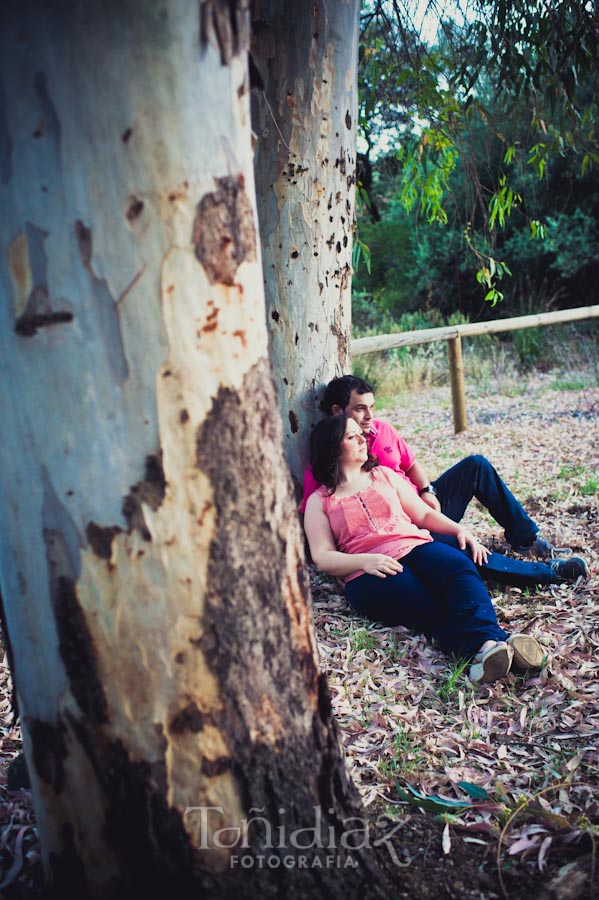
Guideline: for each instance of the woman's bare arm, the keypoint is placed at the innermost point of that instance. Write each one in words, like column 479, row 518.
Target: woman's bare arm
column 328, row 559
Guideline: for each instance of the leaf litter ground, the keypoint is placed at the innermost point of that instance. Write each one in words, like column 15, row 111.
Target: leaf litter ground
column 520, row 756
column 476, row 792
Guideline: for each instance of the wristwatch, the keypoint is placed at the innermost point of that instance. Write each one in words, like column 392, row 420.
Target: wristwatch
column 429, row 489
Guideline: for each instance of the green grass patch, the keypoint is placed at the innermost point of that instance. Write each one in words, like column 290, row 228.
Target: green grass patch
column 590, row 487
column 403, row 758
column 361, row 639
column 450, row 686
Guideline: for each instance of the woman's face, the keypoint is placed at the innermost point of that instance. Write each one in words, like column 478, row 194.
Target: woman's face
column 353, row 445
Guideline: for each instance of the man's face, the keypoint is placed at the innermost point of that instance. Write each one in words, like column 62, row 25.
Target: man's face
column 361, row 409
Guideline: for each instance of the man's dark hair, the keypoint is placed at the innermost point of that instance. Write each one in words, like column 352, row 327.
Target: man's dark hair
column 325, row 450
column 338, row 391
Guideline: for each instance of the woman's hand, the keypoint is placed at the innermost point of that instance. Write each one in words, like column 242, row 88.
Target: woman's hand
column 380, row 565
column 479, row 552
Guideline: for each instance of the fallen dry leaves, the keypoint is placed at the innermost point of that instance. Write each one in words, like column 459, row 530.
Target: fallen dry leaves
column 19, row 846
column 521, row 755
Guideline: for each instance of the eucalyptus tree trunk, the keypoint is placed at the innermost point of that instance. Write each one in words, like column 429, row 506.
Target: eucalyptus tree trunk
column 305, row 117
column 150, row 556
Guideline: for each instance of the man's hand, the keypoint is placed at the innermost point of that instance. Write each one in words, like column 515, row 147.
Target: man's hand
column 479, row 552
column 381, row 565
column 431, row 500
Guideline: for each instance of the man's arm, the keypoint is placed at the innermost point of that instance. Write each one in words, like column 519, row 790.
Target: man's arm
column 418, row 477
column 393, row 452
column 421, row 514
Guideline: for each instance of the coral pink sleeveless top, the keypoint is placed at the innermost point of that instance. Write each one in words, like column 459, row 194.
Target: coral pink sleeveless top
column 372, row 521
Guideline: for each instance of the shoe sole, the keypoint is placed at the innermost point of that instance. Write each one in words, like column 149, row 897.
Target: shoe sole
column 528, row 653
column 494, row 665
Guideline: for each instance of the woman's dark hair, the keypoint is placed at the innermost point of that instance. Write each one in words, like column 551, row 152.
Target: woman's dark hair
column 325, row 451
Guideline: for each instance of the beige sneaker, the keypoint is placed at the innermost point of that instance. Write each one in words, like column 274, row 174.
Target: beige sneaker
column 528, row 653
column 492, row 664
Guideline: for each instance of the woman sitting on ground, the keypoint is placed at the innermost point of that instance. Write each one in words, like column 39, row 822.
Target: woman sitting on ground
column 364, row 519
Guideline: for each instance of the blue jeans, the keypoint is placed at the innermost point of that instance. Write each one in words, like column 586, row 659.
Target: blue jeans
column 439, row 593
column 476, row 477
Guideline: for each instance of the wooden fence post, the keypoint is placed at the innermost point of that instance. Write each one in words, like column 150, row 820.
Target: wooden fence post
column 458, row 392
column 453, row 334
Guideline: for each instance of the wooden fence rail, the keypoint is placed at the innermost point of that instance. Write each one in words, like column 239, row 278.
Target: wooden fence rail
column 454, row 334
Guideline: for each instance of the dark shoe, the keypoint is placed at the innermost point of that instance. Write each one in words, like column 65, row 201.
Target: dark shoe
column 528, row 653
column 568, row 569
column 539, row 548
column 491, row 665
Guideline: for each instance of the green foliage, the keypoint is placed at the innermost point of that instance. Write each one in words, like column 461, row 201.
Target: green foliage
column 573, row 241
column 427, row 166
column 528, row 343
column 502, row 202
column 491, row 270
column 361, row 250
column 491, row 137
column 537, row 229
column 430, row 802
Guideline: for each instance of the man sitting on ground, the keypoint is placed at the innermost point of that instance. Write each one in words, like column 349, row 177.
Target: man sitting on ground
column 452, row 491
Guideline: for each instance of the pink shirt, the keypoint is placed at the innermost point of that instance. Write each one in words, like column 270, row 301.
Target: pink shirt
column 387, row 445
column 372, row 521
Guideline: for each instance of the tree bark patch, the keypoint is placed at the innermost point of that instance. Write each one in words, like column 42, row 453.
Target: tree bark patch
column 293, row 421
column 188, row 719
column 225, row 26
column 100, row 539
column 28, row 266
column 250, row 641
column 151, row 492
column 78, row 652
column 146, row 835
column 224, row 233
column 49, row 752
column 105, row 307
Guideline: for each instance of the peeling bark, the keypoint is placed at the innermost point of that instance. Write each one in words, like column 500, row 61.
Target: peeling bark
column 105, row 306
column 150, row 492
column 49, row 753
column 224, row 234
column 28, row 266
column 29, row 324
column 78, row 653
column 100, row 539
column 225, row 26
column 150, row 555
